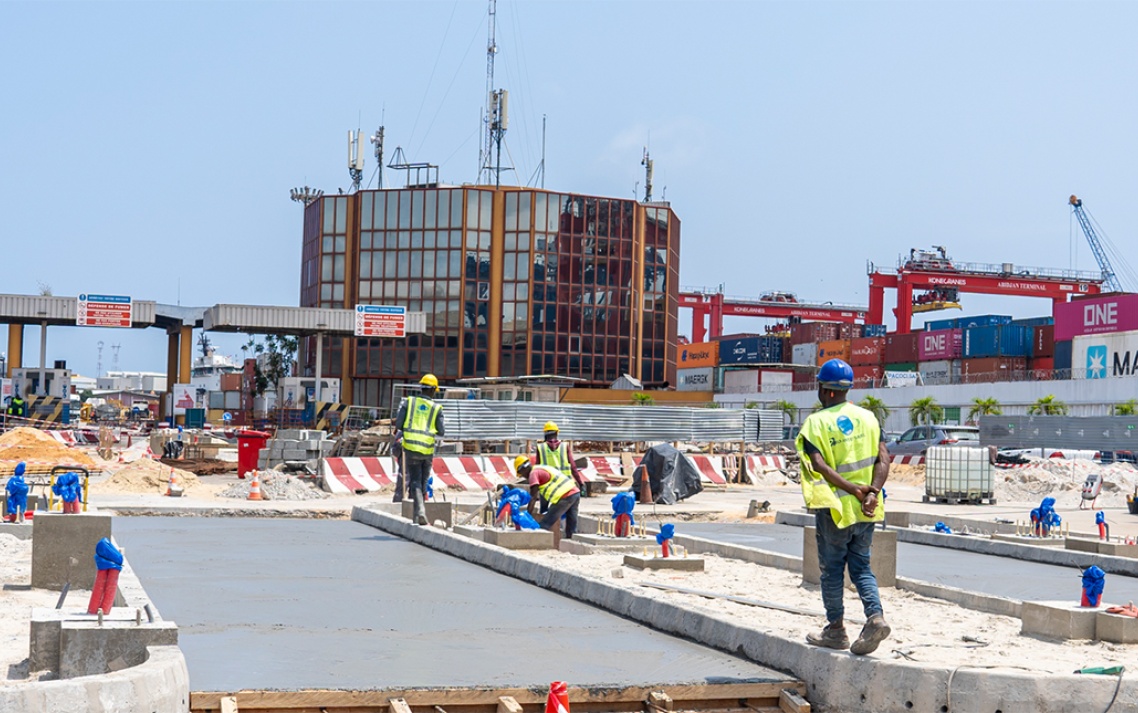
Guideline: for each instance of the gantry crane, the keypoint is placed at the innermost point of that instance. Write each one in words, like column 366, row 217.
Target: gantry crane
column 1109, row 278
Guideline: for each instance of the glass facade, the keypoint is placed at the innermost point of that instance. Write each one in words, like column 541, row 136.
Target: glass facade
column 513, row 282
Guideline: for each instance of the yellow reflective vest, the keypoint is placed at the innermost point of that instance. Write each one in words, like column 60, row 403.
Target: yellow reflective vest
column 555, row 458
column 848, row 437
column 419, row 425
column 558, row 486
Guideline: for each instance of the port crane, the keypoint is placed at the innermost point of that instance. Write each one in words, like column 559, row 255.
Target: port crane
column 1110, row 278
column 709, row 307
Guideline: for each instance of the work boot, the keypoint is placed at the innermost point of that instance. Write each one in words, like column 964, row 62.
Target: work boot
column 422, row 520
column 873, row 633
column 832, row 637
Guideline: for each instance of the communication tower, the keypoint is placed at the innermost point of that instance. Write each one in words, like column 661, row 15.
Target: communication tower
column 355, row 159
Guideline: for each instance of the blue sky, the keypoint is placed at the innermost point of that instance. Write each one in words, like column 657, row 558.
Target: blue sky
column 149, row 148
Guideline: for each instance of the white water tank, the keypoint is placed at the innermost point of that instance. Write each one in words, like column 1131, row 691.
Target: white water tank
column 958, row 473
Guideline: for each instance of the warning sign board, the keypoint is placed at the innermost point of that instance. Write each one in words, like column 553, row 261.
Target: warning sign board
column 381, row 321
column 103, row 311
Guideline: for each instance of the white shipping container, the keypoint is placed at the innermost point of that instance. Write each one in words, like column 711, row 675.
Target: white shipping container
column 232, row 400
column 1101, row 356
column 771, row 381
column 805, row 354
column 741, row 381
column 702, row 379
column 945, row 371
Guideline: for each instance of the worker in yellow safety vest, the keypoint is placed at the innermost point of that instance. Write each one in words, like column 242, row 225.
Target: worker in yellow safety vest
column 844, row 465
column 556, row 490
column 420, row 422
column 558, row 455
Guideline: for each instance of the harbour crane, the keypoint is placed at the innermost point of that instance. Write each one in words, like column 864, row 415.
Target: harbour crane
column 1109, row 278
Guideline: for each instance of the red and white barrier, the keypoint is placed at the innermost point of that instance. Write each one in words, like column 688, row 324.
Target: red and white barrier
column 710, row 469
column 908, row 460
column 757, row 464
column 344, row 476
column 602, row 469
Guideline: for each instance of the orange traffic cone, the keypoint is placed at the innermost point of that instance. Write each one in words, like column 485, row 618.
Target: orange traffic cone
column 255, row 487
column 173, row 486
column 558, row 699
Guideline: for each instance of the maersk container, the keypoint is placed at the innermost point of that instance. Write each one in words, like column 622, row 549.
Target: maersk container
column 1102, row 356
column 874, row 330
column 1008, row 340
column 700, row 379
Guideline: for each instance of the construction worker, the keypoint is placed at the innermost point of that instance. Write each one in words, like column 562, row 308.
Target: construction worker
column 17, row 407
column 557, row 491
column 420, row 420
column 844, row 465
column 559, row 456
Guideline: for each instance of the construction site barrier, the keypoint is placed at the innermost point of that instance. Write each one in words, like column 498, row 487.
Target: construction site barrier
column 328, row 415
column 907, row 460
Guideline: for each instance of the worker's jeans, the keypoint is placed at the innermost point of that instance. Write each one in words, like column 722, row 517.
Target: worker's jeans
column 836, row 549
column 566, row 506
column 416, row 470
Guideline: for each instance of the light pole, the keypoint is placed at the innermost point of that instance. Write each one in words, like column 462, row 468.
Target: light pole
column 305, row 195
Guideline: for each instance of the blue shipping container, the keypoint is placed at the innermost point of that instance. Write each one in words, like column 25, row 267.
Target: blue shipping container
column 1008, row 340
column 752, row 350
column 1034, row 321
column 874, row 330
column 939, row 324
column 983, row 320
column 1063, row 354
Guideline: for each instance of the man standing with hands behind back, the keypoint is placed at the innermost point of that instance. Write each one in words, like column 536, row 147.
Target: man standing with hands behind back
column 844, row 464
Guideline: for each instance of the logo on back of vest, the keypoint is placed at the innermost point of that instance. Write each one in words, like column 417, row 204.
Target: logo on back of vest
column 845, row 424
column 422, row 407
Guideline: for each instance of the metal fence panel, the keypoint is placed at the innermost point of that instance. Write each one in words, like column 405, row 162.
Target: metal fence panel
column 1083, row 433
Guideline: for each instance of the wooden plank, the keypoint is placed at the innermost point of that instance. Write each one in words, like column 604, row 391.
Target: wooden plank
column 790, row 702
column 398, row 705
column 229, row 704
column 658, row 700
column 509, row 704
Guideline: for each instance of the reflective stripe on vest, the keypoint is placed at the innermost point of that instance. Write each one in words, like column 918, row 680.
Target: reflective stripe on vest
column 557, row 487
column 848, row 437
column 419, row 425
column 555, row 458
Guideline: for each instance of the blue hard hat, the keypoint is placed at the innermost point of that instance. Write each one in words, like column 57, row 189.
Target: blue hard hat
column 836, row 374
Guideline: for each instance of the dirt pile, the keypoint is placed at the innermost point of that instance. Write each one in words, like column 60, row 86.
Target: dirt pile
column 145, row 476
column 1063, row 480
column 907, row 474
column 39, row 449
column 276, row 486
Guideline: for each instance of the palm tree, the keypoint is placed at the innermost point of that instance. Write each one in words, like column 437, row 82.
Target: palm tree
column 1126, row 408
column 789, row 408
column 984, row 407
column 877, row 407
column 642, row 399
column 925, row 411
column 1048, row 406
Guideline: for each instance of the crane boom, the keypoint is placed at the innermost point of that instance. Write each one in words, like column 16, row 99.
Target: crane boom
column 1109, row 279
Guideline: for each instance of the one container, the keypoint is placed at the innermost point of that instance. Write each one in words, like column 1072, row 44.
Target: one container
column 1043, row 341
column 945, row 371
column 958, row 473
column 249, row 445
column 741, row 381
column 901, row 348
column 1096, row 315
column 1063, row 351
column 701, row 379
column 804, row 354
column 836, row 349
column 867, row 351
column 700, row 354
column 940, row 344
column 775, row 381
column 1102, row 356
column 873, row 330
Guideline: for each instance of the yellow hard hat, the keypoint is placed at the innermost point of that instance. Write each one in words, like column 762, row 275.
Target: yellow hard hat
column 521, row 461
column 550, row 426
column 430, row 380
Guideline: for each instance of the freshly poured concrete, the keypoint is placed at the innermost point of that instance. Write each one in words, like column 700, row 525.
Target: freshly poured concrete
column 288, row 604
column 988, row 574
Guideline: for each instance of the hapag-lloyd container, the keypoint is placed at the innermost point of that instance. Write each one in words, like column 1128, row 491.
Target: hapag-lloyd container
column 941, row 344
column 1096, row 315
column 867, row 351
column 834, row 349
column 698, row 354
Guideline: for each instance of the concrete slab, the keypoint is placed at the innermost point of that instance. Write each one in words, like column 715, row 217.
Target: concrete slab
column 87, row 649
column 1116, row 628
column 21, row 531
column 1058, row 620
column 1033, row 541
column 519, row 539
column 617, row 543
column 882, row 558
column 474, row 532
column 680, row 564
column 1078, row 544
column 1118, row 549
column 56, row 538
column 434, row 511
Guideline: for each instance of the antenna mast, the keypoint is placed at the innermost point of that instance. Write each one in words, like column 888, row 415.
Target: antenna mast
column 488, row 140
column 355, row 159
column 377, row 140
column 646, row 162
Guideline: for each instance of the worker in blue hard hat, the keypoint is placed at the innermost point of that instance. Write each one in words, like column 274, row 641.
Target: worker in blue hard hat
column 844, row 465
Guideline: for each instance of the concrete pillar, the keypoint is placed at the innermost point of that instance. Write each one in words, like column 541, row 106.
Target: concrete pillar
column 15, row 348
column 882, row 557
column 41, row 389
column 497, row 257
column 319, row 363
column 185, row 359
column 171, row 371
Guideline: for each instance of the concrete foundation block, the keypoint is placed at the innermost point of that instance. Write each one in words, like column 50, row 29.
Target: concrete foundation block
column 87, row 649
column 294, row 454
column 631, row 544
column 680, row 564
column 1079, row 544
column 1118, row 549
column 882, row 558
column 56, row 538
column 573, row 547
column 520, row 539
column 897, row 519
column 474, row 532
column 21, row 531
column 1059, row 620
column 1116, row 628
column 1059, row 542
column 434, row 511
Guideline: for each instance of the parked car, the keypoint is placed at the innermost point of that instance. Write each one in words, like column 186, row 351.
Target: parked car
column 916, row 441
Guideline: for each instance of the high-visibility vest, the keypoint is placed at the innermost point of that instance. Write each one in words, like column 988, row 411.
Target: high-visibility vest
column 419, row 425
column 558, row 486
column 16, row 407
column 848, row 437
column 556, row 458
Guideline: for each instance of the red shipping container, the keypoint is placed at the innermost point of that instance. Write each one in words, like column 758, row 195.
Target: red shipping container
column 849, row 331
column 989, row 369
column 1043, row 341
column 867, row 351
column 900, row 348
column 941, row 345
column 231, row 382
column 808, row 332
column 1041, row 369
column 866, row 377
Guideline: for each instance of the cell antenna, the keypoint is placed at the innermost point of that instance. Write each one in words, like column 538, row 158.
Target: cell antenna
column 488, row 139
column 646, row 162
column 355, row 159
column 377, row 141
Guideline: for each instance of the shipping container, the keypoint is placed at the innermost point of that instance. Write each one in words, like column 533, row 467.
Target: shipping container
column 849, row 331
column 1009, row 340
column 699, row 354
column 866, row 377
column 701, row 379
column 988, row 369
column 804, row 354
column 1043, row 341
column 873, row 330
column 813, row 332
column 867, row 351
column 803, row 379
column 1096, row 315
column 1034, row 321
column 902, row 347
column 943, row 371
column 741, row 381
column 837, row 349
column 901, row 366
column 773, row 381
column 984, row 320
column 1102, row 356
column 232, row 400
column 231, row 382
column 1063, row 355
column 938, row 325
column 940, row 344
column 751, row 350
column 1041, row 368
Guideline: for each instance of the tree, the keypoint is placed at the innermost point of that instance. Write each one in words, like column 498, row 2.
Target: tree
column 279, row 354
column 984, row 407
column 877, row 407
column 642, row 399
column 925, row 411
column 1048, row 406
column 84, row 395
column 1126, row 408
column 789, row 408
column 713, row 404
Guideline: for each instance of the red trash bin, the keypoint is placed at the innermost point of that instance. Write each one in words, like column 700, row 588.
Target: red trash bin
column 249, row 445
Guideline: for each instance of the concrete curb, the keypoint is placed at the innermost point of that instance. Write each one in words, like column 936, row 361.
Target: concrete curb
column 160, row 685
column 836, row 680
